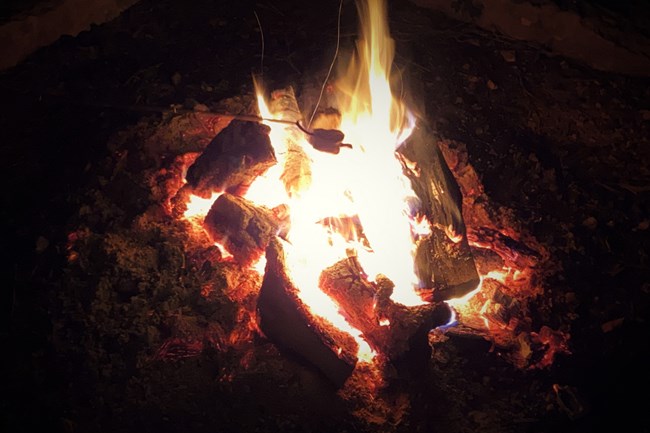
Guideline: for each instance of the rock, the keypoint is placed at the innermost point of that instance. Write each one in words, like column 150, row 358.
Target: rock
column 590, row 222
column 41, row 244
column 508, row 55
column 612, row 324
column 176, row 78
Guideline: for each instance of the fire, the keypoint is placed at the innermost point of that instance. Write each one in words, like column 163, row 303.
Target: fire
column 357, row 202
column 198, row 207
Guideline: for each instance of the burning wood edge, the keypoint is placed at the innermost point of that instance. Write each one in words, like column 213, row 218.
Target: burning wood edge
column 444, row 261
column 243, row 228
column 391, row 329
column 286, row 321
column 233, row 159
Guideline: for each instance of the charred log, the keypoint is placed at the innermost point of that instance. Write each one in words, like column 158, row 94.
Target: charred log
column 233, row 159
column 391, row 329
column 287, row 322
column 444, row 261
column 514, row 253
column 242, row 227
column 296, row 173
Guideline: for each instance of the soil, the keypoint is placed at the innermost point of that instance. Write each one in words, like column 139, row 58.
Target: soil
column 563, row 147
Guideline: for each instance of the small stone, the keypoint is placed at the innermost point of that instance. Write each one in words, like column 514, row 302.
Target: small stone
column 491, row 85
column 466, row 67
column 458, row 100
column 508, row 55
column 176, row 78
column 612, row 324
column 41, row 244
column 591, row 223
column 202, row 108
column 645, row 114
column 525, row 22
column 643, row 225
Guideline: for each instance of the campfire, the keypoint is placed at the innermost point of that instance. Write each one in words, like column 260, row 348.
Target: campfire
column 370, row 237
column 349, row 235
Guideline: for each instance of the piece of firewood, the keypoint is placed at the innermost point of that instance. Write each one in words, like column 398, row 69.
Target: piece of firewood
column 391, row 329
column 444, row 261
column 233, row 159
column 242, row 227
column 513, row 252
column 288, row 323
column 296, row 173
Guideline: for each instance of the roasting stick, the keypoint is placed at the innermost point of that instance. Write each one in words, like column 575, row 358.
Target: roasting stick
column 325, row 140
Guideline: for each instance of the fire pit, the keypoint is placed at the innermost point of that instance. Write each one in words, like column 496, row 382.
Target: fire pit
column 355, row 243
column 368, row 252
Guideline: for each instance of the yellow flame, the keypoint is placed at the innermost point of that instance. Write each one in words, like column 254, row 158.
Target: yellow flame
column 362, row 188
column 377, row 122
column 198, row 206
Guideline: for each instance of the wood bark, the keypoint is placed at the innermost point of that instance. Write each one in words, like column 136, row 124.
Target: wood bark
column 296, row 173
column 391, row 329
column 242, row 227
column 287, row 321
column 513, row 252
column 444, row 261
column 233, row 159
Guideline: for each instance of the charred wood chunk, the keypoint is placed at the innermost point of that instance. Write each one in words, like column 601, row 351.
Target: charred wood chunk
column 242, row 227
column 233, row 159
column 391, row 329
column 287, row 322
column 296, row 174
column 513, row 252
column 445, row 264
column 445, row 268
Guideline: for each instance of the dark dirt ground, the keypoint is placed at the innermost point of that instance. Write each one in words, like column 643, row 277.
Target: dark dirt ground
column 565, row 147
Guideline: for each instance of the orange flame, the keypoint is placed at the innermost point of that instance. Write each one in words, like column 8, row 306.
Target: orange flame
column 356, row 202
column 365, row 182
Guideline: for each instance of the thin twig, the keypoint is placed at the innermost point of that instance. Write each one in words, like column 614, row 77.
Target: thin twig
column 336, row 53
column 262, row 38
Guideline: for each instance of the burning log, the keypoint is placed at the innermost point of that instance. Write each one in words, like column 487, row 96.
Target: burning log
column 444, row 261
column 297, row 171
column 233, row 159
column 242, row 227
column 391, row 329
column 288, row 323
column 514, row 253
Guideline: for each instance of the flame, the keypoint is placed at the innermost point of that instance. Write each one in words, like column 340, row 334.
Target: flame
column 357, row 202
column 198, row 207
